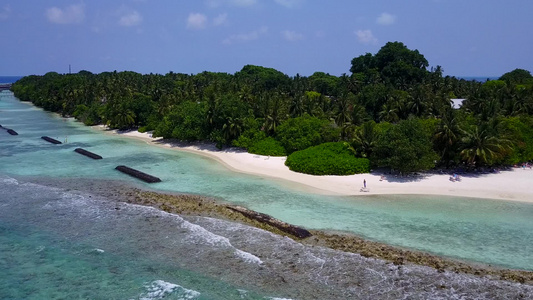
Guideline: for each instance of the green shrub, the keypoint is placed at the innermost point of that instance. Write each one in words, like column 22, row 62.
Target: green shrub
column 327, row 159
column 88, row 115
column 248, row 138
column 303, row 132
column 256, row 142
column 185, row 122
column 267, row 146
column 406, row 147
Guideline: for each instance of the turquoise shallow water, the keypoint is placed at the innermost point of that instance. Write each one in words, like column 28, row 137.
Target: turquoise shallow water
column 60, row 245
column 488, row 231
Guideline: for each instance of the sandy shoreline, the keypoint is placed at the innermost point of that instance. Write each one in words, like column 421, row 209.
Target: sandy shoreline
column 514, row 184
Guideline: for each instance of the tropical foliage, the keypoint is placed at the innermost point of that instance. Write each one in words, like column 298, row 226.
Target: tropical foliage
column 406, row 147
column 392, row 109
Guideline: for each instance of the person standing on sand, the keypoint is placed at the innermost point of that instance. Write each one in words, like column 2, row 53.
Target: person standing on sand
column 364, row 183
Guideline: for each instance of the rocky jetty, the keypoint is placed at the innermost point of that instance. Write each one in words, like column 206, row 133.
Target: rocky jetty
column 87, row 153
column 51, row 140
column 138, row 174
column 10, row 131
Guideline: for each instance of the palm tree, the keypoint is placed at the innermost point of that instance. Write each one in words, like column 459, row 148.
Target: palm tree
column 343, row 115
column 490, row 109
column 389, row 113
column 123, row 118
column 232, row 128
column 358, row 114
column 296, row 108
column 246, row 95
column 516, row 104
column 312, row 103
column 418, row 101
column 365, row 138
column 274, row 115
column 480, row 147
column 447, row 135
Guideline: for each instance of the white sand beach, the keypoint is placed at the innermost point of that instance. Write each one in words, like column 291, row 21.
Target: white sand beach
column 514, row 185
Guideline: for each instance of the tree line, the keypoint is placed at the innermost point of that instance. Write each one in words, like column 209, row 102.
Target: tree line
column 392, row 109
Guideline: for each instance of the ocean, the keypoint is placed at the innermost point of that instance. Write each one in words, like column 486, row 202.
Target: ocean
column 63, row 240
column 478, row 78
column 9, row 79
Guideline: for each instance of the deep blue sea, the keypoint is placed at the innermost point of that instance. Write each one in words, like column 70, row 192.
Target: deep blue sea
column 9, row 79
column 61, row 241
column 478, row 78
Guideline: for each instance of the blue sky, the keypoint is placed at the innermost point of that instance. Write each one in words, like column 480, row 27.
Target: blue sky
column 465, row 37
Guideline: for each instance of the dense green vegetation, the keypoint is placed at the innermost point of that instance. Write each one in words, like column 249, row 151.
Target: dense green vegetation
column 334, row 158
column 391, row 109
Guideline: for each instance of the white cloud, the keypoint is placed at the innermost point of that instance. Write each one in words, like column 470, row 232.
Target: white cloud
column 130, row 19
column 5, row 12
column 69, row 15
column 292, row 36
column 366, row 37
column 289, row 3
column 221, row 19
column 386, row 19
column 196, row 21
column 244, row 37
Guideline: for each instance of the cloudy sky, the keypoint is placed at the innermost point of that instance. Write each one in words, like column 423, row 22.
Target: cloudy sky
column 465, row 37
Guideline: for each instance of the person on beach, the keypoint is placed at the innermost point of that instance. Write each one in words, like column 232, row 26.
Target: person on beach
column 364, row 183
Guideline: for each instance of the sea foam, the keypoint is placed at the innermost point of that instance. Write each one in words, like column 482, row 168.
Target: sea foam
column 160, row 289
column 248, row 257
column 9, row 181
column 202, row 235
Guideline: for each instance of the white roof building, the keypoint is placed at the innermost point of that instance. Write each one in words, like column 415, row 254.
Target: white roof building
column 457, row 103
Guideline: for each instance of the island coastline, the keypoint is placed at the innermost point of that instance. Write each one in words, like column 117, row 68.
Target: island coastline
column 510, row 185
